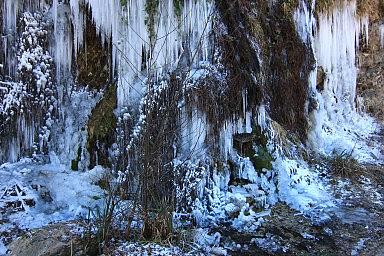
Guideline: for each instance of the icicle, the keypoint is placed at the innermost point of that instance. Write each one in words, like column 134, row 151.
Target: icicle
column 365, row 26
column 63, row 46
column 193, row 132
column 78, row 21
column 226, row 140
column 10, row 10
column 336, row 53
column 381, row 31
column 133, row 46
column 362, row 29
column 304, row 21
column 261, row 117
column 336, row 124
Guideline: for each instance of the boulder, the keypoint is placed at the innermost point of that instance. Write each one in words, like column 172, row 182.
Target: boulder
column 58, row 239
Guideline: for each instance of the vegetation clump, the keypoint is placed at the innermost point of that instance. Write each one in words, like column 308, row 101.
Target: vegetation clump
column 344, row 165
column 290, row 5
column 324, row 5
column 123, row 3
column 373, row 8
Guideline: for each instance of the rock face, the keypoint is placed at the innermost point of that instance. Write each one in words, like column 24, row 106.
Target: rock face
column 184, row 99
column 371, row 72
column 53, row 240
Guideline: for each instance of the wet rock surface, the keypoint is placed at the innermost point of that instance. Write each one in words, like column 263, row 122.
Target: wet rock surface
column 354, row 227
column 371, row 73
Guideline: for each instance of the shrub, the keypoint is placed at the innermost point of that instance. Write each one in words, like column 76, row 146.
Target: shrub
column 344, row 165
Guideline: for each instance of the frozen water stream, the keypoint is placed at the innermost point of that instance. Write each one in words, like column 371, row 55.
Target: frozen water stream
column 33, row 195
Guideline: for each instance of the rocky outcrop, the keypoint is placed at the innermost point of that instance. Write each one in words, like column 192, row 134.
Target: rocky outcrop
column 58, row 239
column 370, row 83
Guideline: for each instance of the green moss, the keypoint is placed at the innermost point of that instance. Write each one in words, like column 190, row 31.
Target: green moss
column 123, row 2
column 258, row 153
column 101, row 128
column 104, row 183
column 261, row 159
column 178, row 8
column 103, row 120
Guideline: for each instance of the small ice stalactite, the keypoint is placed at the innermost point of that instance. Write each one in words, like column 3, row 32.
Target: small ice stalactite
column 229, row 129
column 363, row 29
column 381, row 31
column 236, row 125
column 262, row 118
column 242, row 125
column 10, row 10
column 131, row 54
column 304, row 21
column 78, row 22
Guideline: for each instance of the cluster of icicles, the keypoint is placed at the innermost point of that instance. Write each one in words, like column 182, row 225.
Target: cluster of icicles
column 186, row 32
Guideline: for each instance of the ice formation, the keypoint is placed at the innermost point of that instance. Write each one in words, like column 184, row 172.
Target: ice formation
column 381, row 30
column 141, row 48
column 31, row 91
column 46, row 193
column 146, row 46
column 337, row 125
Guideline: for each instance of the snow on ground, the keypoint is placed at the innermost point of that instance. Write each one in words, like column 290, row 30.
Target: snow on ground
column 33, row 194
column 148, row 249
column 3, row 249
column 201, row 243
column 302, row 189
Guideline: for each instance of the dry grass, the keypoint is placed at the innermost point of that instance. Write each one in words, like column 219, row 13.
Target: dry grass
column 344, row 165
column 372, row 8
column 158, row 224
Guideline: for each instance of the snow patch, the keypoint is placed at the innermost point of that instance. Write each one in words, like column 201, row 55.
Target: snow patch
column 34, row 195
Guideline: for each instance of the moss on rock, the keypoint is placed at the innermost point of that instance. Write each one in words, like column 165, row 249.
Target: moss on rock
column 101, row 128
column 260, row 156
